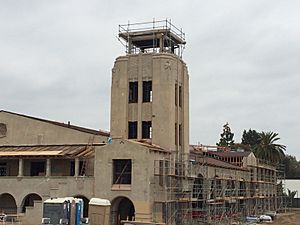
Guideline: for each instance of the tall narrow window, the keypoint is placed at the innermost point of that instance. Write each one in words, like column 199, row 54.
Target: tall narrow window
column 147, row 91
column 122, row 171
column 176, row 94
column 133, row 92
column 180, row 134
column 180, row 96
column 176, row 135
column 146, row 129
column 161, row 172
column 132, row 130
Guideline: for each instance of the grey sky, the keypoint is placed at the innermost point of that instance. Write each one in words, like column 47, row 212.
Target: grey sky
column 243, row 58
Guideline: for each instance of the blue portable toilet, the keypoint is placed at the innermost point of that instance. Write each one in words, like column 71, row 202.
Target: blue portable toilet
column 78, row 210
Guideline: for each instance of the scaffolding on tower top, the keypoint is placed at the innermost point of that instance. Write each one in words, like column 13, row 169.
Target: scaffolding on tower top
column 155, row 36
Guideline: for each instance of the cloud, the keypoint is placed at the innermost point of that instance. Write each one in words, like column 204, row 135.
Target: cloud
column 243, row 56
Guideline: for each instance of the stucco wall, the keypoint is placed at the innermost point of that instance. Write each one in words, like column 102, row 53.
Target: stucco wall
column 23, row 130
column 139, row 192
column 164, row 70
column 45, row 187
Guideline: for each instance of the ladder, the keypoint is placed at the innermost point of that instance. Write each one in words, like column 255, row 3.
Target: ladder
column 85, row 161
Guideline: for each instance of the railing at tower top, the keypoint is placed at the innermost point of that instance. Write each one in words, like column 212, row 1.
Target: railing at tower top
column 150, row 26
column 152, row 37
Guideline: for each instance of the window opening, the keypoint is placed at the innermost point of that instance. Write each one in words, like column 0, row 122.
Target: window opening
column 147, row 91
column 180, row 96
column 72, row 168
column 161, row 172
column 133, row 92
column 132, row 130
column 37, row 169
column 3, row 169
column 176, row 135
column 82, row 167
column 146, row 129
column 122, row 171
column 180, row 134
column 176, row 94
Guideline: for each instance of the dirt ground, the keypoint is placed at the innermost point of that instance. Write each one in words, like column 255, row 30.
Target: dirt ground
column 289, row 218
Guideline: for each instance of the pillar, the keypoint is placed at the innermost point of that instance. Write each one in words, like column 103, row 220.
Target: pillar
column 76, row 174
column 48, row 168
column 20, row 173
column 161, row 44
column 129, row 46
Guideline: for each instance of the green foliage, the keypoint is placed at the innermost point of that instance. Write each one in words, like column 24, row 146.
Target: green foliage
column 263, row 145
column 292, row 167
column 267, row 149
column 251, row 138
column 280, row 190
column 226, row 139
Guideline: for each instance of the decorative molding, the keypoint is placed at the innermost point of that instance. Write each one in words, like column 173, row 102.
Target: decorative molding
column 167, row 65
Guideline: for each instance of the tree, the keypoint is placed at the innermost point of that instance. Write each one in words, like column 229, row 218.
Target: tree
column 251, row 138
column 291, row 195
column 226, row 139
column 292, row 167
column 267, row 149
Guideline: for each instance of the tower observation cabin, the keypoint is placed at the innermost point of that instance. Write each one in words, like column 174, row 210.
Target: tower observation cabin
column 156, row 36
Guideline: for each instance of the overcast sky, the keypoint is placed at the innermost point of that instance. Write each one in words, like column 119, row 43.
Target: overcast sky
column 243, row 59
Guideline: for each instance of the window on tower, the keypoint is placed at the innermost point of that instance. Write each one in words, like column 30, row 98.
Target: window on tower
column 132, row 130
column 180, row 96
column 147, row 91
column 146, row 129
column 133, row 92
column 176, row 135
column 176, row 94
column 180, row 134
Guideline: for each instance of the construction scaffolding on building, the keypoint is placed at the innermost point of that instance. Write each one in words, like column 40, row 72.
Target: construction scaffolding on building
column 187, row 192
column 281, row 198
column 154, row 36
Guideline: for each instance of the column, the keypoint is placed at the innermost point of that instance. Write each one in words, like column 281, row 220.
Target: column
column 20, row 174
column 48, row 168
column 76, row 174
column 129, row 45
column 161, row 44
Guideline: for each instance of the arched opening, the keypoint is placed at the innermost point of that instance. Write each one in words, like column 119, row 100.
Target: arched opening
column 8, row 204
column 122, row 209
column 29, row 201
column 85, row 204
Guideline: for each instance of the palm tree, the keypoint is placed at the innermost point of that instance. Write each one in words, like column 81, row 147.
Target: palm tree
column 267, row 149
column 291, row 196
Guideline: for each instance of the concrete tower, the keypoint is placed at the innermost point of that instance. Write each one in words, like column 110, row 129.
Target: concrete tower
column 150, row 86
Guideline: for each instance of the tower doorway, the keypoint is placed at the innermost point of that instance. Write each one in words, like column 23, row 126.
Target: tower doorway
column 122, row 208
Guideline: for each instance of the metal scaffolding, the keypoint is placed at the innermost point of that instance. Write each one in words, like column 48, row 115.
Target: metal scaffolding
column 154, row 36
column 185, row 192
